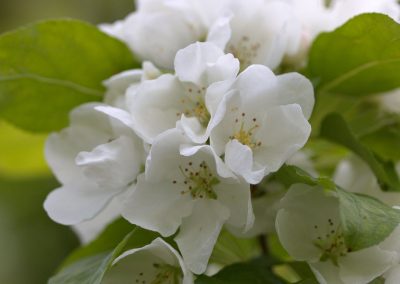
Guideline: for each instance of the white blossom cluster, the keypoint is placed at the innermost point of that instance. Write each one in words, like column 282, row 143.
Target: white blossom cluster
column 177, row 146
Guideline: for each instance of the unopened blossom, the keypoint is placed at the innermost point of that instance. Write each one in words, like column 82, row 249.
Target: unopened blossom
column 354, row 175
column 264, row 122
column 118, row 84
column 188, row 96
column 309, row 228
column 156, row 263
column 188, row 187
column 95, row 159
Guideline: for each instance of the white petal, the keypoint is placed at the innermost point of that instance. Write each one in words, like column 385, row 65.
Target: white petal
column 326, row 272
column 303, row 217
column 114, row 165
column 87, row 231
column 69, row 205
column 220, row 31
column 265, row 210
column 92, row 128
column 192, row 62
column 225, row 68
column 169, row 31
column 393, row 275
column 365, row 265
column 283, row 131
column 199, row 232
column 138, row 264
column 114, row 29
column 118, row 114
column 296, row 89
column 156, row 106
column 157, row 206
column 239, row 158
column 237, row 198
column 214, row 96
column 259, row 83
column 117, row 86
column 165, row 151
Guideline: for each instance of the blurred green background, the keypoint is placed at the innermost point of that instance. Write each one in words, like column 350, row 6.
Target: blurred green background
column 31, row 245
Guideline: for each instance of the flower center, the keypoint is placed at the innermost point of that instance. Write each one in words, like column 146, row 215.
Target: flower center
column 245, row 50
column 199, row 182
column 167, row 274
column 332, row 244
column 245, row 135
column 194, row 105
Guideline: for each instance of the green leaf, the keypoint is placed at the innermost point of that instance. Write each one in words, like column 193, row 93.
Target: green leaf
column 90, row 270
column 385, row 142
column 230, row 249
column 379, row 280
column 257, row 271
column 308, row 281
column 106, row 241
column 335, row 129
column 360, row 58
column 18, row 145
column 365, row 220
column 289, row 175
column 302, row 269
column 89, row 264
column 50, row 67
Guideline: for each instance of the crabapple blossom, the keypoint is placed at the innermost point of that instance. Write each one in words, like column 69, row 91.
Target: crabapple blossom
column 316, row 16
column 264, row 122
column 156, row 263
column 262, row 35
column 95, row 159
column 188, row 96
column 309, row 228
column 159, row 28
column 118, row 84
column 354, row 175
column 190, row 188
column 266, row 197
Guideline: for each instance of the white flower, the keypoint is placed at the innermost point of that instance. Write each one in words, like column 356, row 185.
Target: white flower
column 309, row 228
column 118, row 84
column 315, row 17
column 155, row 263
column 266, row 197
column 261, row 32
column 344, row 10
column 159, row 28
column 393, row 275
column 255, row 32
column 88, row 230
column 188, row 187
column 390, row 102
column 188, row 96
column 95, row 159
column 265, row 208
column 354, row 175
column 264, row 122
